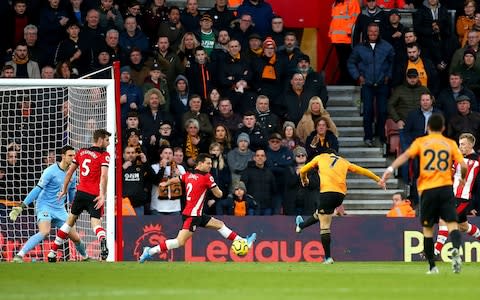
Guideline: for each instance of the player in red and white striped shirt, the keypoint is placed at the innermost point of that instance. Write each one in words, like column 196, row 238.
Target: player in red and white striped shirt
column 91, row 190
column 463, row 191
column 197, row 183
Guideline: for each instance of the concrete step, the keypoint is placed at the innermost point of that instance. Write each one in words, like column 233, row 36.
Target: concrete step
column 351, row 141
column 362, row 152
column 370, row 162
column 351, row 121
column 376, row 170
column 351, row 132
column 343, row 111
column 359, row 183
column 345, row 89
column 347, row 100
column 383, row 204
column 373, row 193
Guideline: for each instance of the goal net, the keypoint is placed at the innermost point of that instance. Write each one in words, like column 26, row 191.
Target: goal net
column 37, row 118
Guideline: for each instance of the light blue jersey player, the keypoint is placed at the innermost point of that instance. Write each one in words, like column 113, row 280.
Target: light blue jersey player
column 49, row 209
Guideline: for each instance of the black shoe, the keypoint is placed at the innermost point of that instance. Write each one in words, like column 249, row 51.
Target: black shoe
column 103, row 249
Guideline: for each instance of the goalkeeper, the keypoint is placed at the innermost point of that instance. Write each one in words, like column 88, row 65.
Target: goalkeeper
column 48, row 209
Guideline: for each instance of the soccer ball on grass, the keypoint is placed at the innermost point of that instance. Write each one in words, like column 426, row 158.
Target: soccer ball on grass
column 240, row 247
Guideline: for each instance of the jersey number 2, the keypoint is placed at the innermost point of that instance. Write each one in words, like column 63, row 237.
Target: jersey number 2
column 188, row 189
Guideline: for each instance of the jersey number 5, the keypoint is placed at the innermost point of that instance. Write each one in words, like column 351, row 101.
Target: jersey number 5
column 85, row 170
column 436, row 160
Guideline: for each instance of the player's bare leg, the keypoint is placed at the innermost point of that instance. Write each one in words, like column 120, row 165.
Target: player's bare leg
column 101, row 236
column 62, row 235
column 325, row 223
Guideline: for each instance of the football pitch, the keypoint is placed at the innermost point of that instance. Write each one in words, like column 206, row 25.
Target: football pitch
column 161, row 280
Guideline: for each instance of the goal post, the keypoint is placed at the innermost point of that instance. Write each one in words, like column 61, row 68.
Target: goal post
column 38, row 117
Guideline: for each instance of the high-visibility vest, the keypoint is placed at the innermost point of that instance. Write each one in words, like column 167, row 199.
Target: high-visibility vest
column 127, row 208
column 234, row 3
column 344, row 16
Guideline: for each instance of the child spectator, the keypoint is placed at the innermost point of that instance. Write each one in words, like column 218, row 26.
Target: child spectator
column 242, row 204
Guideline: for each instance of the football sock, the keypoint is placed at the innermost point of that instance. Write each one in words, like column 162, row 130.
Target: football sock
column 308, row 222
column 442, row 236
column 325, row 238
column 164, row 246
column 100, row 232
column 473, row 231
column 456, row 238
column 227, row 233
column 31, row 243
column 81, row 248
column 428, row 248
column 62, row 235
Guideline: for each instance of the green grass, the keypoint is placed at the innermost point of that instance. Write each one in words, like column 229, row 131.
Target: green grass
column 342, row 280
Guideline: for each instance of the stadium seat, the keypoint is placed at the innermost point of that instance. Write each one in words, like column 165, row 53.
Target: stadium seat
column 393, row 137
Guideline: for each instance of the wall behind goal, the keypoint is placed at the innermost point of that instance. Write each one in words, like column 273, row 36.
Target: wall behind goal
column 354, row 238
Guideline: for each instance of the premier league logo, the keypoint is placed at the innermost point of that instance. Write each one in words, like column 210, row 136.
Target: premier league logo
column 152, row 236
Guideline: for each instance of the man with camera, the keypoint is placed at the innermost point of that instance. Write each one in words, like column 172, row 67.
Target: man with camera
column 135, row 172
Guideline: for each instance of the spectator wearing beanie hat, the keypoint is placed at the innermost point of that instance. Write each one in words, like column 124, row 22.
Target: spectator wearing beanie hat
column 269, row 73
column 240, row 203
column 255, row 48
column 238, row 158
column 469, row 70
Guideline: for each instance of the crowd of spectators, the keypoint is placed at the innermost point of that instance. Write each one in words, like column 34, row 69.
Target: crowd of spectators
column 234, row 83
column 229, row 82
column 408, row 71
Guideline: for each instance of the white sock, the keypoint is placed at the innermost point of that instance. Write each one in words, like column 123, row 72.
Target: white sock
column 65, row 228
column 225, row 231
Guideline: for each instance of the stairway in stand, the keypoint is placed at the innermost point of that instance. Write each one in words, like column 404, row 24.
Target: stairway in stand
column 363, row 196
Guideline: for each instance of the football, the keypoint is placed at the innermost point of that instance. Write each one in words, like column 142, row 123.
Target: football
column 240, row 247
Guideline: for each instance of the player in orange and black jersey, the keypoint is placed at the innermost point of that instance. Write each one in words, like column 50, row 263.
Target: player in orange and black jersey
column 332, row 170
column 437, row 154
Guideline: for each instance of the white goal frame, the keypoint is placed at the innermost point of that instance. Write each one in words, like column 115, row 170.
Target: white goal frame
column 109, row 84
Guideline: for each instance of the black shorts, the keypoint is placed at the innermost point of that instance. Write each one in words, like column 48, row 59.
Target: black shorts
column 191, row 223
column 84, row 201
column 463, row 207
column 328, row 201
column 437, row 203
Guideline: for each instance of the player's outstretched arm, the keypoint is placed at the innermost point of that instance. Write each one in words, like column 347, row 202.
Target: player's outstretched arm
column 17, row 210
column 403, row 158
column 217, row 192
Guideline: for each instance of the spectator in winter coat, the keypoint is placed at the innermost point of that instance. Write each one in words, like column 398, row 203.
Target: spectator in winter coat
column 279, row 158
column 238, row 158
column 260, row 183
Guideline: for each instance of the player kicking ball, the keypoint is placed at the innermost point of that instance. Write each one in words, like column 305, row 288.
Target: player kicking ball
column 196, row 184
column 48, row 209
column 93, row 164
